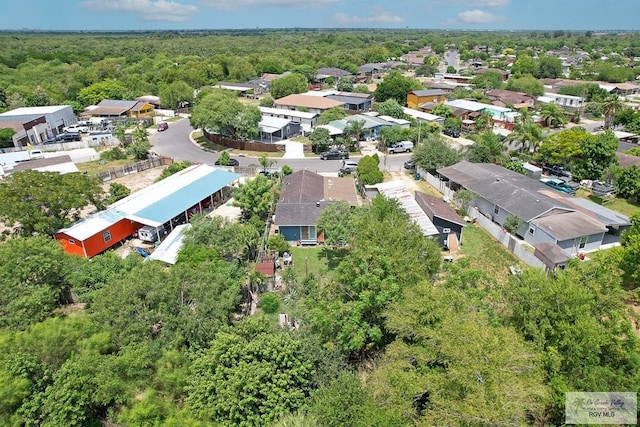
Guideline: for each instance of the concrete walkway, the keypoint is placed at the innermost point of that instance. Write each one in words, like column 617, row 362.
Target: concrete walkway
column 293, row 150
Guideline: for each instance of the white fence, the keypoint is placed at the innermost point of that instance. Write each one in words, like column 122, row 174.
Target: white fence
column 437, row 184
column 89, row 142
column 164, row 113
column 506, row 239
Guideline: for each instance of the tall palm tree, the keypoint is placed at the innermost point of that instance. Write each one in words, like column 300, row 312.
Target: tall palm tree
column 610, row 107
column 553, row 115
column 526, row 133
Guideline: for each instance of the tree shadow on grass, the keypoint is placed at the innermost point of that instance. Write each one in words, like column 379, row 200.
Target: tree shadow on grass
column 333, row 256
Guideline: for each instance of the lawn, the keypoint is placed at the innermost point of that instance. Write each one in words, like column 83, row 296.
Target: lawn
column 97, row 166
column 623, row 206
column 313, row 260
column 485, row 253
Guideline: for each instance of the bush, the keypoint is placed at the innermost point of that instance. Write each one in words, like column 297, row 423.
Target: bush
column 269, row 303
column 287, row 170
column 368, row 171
column 116, row 192
column 116, row 153
column 277, row 243
column 173, row 168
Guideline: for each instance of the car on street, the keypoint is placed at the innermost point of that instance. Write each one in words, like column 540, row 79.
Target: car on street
column 163, row 126
column 559, row 185
column 348, row 167
column 453, row 133
column 334, row 155
column 401, row 147
column 232, row 162
column 410, row 165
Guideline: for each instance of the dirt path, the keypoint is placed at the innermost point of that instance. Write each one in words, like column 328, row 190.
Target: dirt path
column 137, row 181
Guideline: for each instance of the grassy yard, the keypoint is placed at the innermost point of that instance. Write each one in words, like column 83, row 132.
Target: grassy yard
column 313, row 260
column 623, row 206
column 485, row 253
column 97, row 166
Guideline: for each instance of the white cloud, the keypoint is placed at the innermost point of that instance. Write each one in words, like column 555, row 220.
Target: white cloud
column 378, row 15
column 478, row 17
column 148, row 10
column 479, row 3
column 241, row 4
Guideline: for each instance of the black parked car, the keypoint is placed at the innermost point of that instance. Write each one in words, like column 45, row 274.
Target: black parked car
column 334, row 155
column 232, row 162
column 454, row 133
column 69, row 136
column 556, row 170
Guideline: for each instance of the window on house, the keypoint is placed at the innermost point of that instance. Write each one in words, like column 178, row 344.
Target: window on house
column 106, row 236
column 446, row 230
column 72, row 242
column 532, row 231
column 496, row 210
column 583, row 242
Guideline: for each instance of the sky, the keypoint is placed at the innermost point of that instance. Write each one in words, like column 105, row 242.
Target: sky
column 118, row 15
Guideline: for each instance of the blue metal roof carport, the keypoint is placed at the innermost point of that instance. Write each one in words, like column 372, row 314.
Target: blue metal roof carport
column 180, row 201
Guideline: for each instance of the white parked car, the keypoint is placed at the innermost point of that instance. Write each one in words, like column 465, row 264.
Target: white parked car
column 401, row 147
column 76, row 128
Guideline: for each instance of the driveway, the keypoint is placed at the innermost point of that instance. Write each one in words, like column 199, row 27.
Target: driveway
column 293, row 150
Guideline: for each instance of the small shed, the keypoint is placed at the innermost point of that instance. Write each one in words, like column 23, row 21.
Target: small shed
column 532, row 170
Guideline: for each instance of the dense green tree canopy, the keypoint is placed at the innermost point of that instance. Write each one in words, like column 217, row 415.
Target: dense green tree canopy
column 390, row 107
column 288, row 85
column 434, row 152
column 251, row 375
column 255, row 196
column 44, row 202
column 527, row 84
column 32, row 280
column 220, row 111
column 347, row 310
column 396, row 86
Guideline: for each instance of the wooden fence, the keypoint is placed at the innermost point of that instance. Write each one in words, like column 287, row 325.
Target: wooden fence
column 236, row 144
column 134, row 168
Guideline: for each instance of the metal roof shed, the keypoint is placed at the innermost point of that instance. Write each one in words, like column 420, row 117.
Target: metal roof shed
column 171, row 205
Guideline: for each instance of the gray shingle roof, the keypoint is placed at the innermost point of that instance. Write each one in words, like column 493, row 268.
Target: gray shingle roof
column 569, row 225
column 517, row 194
column 428, row 92
column 302, row 186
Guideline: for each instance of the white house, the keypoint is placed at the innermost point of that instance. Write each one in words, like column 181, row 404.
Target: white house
column 568, row 101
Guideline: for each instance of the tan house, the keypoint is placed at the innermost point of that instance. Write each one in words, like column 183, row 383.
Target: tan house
column 415, row 98
column 117, row 109
column 309, row 103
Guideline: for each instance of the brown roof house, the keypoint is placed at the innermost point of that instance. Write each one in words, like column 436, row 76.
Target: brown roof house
column 309, row 103
column 304, row 195
column 503, row 73
column 503, row 98
column 111, row 108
